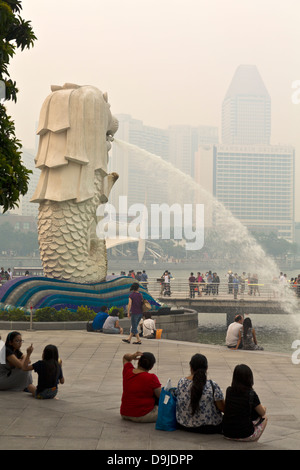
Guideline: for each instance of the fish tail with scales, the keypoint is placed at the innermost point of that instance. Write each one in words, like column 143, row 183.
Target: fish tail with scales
column 69, row 246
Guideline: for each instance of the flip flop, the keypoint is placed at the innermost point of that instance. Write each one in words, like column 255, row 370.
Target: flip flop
column 126, row 341
column 138, row 342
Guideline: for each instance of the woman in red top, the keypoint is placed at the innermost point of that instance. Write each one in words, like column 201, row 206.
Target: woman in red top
column 141, row 389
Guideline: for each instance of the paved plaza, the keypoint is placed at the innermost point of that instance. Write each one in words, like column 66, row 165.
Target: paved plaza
column 86, row 416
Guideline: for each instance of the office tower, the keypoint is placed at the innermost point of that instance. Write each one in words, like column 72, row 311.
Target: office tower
column 246, row 109
column 256, row 183
column 176, row 144
column 137, row 176
column 253, row 179
column 184, row 142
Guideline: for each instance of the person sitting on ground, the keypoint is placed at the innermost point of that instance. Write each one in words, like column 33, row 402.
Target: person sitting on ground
column 141, row 389
column 244, row 417
column 200, row 402
column 233, row 335
column 100, row 318
column 12, row 376
column 148, row 325
column 49, row 372
column 249, row 337
column 111, row 324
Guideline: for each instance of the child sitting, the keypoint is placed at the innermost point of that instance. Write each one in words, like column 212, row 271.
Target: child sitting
column 49, row 372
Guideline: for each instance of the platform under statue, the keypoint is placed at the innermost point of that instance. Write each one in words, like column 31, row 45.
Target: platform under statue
column 75, row 129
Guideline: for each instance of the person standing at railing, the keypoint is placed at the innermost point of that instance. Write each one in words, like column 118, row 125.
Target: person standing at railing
column 192, row 284
column 255, row 282
column 235, row 285
column 144, row 280
column 166, row 283
column 209, row 280
column 230, row 282
column 216, row 283
column 243, row 282
column 250, row 282
column 200, row 282
column 296, row 286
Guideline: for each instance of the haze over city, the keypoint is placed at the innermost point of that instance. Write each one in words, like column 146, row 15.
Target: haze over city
column 164, row 63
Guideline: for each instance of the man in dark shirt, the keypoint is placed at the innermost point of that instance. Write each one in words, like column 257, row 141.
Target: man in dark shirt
column 192, row 282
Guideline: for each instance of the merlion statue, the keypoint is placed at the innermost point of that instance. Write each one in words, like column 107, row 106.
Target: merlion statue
column 75, row 129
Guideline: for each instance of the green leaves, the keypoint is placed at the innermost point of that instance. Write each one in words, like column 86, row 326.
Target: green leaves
column 14, row 177
column 14, row 33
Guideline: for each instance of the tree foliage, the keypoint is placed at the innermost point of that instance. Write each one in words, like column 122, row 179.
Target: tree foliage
column 15, row 33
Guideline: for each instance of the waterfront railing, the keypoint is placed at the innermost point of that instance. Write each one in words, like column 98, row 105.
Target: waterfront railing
column 181, row 288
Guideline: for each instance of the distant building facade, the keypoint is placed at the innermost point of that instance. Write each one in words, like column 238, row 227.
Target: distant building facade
column 139, row 179
column 28, row 208
column 251, row 177
column 256, row 183
column 246, row 109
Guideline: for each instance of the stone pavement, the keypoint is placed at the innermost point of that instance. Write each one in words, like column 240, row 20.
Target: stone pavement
column 86, row 415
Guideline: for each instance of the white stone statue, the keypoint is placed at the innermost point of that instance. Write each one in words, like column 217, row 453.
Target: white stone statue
column 75, row 128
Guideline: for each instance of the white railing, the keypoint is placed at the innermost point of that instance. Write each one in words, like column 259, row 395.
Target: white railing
column 181, row 288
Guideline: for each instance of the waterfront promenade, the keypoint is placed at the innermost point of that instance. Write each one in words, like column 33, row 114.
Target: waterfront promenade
column 86, row 415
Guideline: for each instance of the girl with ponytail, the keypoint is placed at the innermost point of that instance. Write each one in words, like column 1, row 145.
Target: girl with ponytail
column 200, row 402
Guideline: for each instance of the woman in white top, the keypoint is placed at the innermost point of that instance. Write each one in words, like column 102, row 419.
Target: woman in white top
column 200, row 402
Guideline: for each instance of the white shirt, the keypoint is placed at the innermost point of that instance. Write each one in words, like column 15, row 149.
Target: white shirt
column 232, row 335
column 148, row 326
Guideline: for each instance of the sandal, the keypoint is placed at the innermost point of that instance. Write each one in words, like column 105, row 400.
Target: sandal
column 126, row 341
column 138, row 342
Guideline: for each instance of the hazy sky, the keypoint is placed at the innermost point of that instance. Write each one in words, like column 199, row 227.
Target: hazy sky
column 162, row 61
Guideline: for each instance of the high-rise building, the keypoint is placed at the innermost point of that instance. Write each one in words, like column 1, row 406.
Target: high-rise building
column 256, row 183
column 253, row 179
column 184, row 142
column 246, row 109
column 139, row 180
column 137, row 176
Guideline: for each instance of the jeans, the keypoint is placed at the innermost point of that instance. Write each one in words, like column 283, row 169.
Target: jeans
column 47, row 393
column 135, row 320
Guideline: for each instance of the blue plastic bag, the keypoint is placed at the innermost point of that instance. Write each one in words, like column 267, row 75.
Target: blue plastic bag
column 166, row 419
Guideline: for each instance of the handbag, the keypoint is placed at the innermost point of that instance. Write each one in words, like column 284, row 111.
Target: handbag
column 146, row 306
column 166, row 418
column 158, row 333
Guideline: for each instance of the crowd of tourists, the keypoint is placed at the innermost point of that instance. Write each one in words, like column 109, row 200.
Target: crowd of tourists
column 201, row 407
column 5, row 275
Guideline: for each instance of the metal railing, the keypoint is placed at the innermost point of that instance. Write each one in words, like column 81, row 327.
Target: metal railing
column 181, row 288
